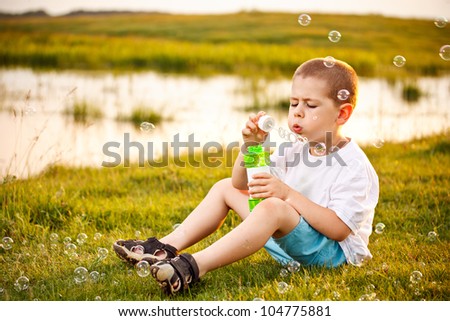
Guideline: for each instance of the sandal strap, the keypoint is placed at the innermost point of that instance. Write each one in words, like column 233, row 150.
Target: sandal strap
column 152, row 245
column 186, row 268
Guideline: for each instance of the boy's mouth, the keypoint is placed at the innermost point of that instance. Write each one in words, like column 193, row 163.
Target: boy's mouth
column 297, row 129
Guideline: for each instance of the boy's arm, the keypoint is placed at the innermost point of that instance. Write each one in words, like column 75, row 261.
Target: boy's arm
column 323, row 219
column 239, row 174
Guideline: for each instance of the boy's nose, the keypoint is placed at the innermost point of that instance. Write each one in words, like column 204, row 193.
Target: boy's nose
column 298, row 112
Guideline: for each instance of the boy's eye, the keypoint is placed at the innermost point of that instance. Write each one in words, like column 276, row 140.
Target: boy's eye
column 311, row 106
column 294, row 105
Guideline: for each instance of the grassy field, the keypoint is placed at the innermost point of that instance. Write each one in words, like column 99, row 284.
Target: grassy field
column 129, row 202
column 246, row 43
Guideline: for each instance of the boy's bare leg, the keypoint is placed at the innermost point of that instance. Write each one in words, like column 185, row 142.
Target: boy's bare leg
column 271, row 217
column 209, row 215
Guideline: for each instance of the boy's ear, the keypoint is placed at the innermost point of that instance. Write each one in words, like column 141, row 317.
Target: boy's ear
column 345, row 111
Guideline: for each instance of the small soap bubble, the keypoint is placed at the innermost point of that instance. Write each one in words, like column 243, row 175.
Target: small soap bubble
column 137, row 234
column 2, row 290
column 343, row 94
column 284, row 273
column 81, row 274
column 98, row 298
column 356, row 259
column 444, row 52
column 320, row 149
column 432, row 236
column 7, row 243
column 22, row 283
column 415, row 277
column 29, row 111
column 378, row 142
column 54, row 238
column 139, row 249
column 258, row 299
column 379, row 228
column 336, row 295
column 70, row 249
column 176, row 225
column 440, row 22
column 334, row 36
column 146, row 126
column 94, row 276
column 81, row 238
column 97, row 236
column 329, row 62
column 102, row 253
column 282, row 287
column 292, row 138
column 282, row 132
column 143, row 269
column 304, row 19
column 399, row 61
column 293, row 266
column 41, row 247
column 67, row 240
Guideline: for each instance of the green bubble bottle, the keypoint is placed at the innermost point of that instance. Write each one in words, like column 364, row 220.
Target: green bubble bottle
column 257, row 160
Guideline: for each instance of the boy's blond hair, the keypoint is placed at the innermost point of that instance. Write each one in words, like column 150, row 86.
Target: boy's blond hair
column 340, row 76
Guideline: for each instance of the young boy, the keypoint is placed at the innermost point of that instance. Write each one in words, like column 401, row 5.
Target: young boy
column 318, row 205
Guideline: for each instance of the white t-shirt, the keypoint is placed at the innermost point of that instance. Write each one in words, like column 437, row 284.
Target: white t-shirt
column 343, row 181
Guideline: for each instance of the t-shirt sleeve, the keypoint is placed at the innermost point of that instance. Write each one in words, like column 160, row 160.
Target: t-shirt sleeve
column 354, row 195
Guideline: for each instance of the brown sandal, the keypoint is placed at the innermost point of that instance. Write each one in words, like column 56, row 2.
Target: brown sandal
column 151, row 250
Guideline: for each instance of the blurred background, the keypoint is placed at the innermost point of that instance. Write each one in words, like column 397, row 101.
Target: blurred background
column 75, row 75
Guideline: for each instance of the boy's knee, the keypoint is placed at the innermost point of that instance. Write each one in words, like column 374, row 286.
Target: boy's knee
column 223, row 184
column 273, row 204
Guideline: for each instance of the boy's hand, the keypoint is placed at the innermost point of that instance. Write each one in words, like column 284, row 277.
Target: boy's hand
column 265, row 185
column 251, row 133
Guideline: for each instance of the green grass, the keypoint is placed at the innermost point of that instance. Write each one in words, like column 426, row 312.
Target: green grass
column 82, row 111
column 246, row 43
column 141, row 114
column 117, row 202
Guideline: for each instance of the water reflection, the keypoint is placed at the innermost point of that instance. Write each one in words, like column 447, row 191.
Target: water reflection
column 35, row 132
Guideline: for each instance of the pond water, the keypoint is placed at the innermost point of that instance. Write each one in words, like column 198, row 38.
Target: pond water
column 35, row 131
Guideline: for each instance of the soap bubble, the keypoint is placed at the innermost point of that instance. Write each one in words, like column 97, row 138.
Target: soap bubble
column 143, row 269
column 334, row 36
column 29, row 111
column 292, row 138
column 399, row 61
column 320, row 149
column 440, row 22
column 137, row 234
column 67, row 240
column 378, row 142
column 7, row 243
column 343, row 94
column 282, row 132
column 54, row 237
column 304, row 19
column 329, row 61
column 356, row 259
column 81, row 238
column 22, row 283
column 258, row 299
column 379, row 228
column 70, row 249
column 41, row 247
column 139, row 249
column 176, row 225
column 282, row 287
column 97, row 236
column 98, row 298
column 284, row 273
column 432, row 236
column 293, row 266
column 146, row 126
column 415, row 277
column 94, row 276
column 444, row 52
column 102, row 253
column 81, row 274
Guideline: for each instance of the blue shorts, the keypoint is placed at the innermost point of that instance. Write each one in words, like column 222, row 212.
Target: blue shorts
column 306, row 246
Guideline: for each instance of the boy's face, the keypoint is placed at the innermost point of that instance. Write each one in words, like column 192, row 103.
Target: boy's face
column 312, row 113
